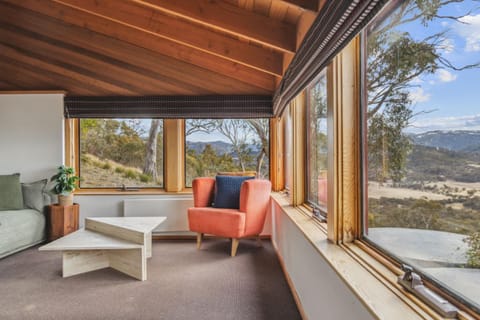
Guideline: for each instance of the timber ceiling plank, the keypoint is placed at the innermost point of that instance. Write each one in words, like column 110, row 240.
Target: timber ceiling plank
column 232, row 19
column 31, row 77
column 130, row 35
column 104, row 55
column 154, row 22
column 182, row 74
column 102, row 68
column 54, row 66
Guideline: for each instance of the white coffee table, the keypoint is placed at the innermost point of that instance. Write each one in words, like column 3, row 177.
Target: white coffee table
column 122, row 243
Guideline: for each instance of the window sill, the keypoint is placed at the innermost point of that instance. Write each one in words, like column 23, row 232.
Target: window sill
column 117, row 192
column 361, row 270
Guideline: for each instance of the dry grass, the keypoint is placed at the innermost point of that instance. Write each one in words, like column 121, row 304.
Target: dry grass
column 98, row 173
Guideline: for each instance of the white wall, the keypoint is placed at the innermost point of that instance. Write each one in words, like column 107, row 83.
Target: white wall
column 112, row 206
column 322, row 292
column 31, row 135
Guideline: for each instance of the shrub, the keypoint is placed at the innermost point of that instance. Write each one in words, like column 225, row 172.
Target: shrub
column 130, row 174
column 119, row 170
column 473, row 252
column 145, row 178
column 85, row 159
column 107, row 166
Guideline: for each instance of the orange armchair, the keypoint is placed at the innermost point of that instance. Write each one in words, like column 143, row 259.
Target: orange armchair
column 246, row 221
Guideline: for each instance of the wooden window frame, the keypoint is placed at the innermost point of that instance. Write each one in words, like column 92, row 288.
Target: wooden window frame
column 173, row 160
column 344, row 226
column 328, row 76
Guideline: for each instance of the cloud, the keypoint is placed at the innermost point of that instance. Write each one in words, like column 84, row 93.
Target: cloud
column 416, row 80
column 446, row 76
column 419, row 95
column 471, row 122
column 468, row 28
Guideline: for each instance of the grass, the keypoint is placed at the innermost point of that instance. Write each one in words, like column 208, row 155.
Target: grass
column 98, row 173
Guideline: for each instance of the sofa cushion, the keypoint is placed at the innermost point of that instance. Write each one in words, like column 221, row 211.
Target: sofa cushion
column 227, row 191
column 10, row 192
column 33, row 194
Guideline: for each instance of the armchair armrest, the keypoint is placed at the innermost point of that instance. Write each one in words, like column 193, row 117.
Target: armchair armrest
column 254, row 200
column 203, row 191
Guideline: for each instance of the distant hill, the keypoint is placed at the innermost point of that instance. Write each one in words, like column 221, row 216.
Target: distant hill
column 220, row 147
column 432, row 163
column 457, row 140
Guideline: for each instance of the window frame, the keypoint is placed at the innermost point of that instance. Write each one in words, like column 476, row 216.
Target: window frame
column 319, row 211
column 173, row 157
column 172, row 162
column 274, row 147
column 389, row 260
column 344, row 225
column 77, row 165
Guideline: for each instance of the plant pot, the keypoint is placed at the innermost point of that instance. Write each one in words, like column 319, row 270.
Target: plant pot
column 65, row 200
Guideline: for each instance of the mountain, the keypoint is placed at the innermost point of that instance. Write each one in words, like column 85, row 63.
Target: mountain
column 457, row 140
column 437, row 164
column 220, row 147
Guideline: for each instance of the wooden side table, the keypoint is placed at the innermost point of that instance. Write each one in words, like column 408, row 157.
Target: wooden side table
column 62, row 220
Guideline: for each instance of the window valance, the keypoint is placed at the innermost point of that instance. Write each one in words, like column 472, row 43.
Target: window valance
column 169, row 107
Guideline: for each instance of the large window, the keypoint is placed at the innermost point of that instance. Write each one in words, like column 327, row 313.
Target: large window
column 317, row 148
column 121, row 153
column 227, row 145
column 288, row 148
column 422, row 148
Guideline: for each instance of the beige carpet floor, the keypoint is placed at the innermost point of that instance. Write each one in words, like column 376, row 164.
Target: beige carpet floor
column 183, row 283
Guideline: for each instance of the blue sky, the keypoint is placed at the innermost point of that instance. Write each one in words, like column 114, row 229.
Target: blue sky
column 453, row 97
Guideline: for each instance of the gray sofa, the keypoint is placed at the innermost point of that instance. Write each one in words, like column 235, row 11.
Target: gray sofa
column 22, row 218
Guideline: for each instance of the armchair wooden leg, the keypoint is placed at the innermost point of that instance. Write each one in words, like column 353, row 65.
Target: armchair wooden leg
column 259, row 241
column 199, row 239
column 234, row 246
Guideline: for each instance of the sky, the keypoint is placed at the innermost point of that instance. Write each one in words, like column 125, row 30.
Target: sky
column 452, row 98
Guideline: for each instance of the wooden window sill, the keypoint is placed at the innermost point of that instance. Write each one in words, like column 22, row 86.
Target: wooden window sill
column 370, row 280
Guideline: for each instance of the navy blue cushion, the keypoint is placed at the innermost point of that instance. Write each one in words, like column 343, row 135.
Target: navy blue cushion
column 227, row 191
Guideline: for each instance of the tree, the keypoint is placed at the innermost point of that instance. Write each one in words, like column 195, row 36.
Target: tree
column 394, row 60
column 236, row 131
column 261, row 128
column 150, row 166
column 241, row 134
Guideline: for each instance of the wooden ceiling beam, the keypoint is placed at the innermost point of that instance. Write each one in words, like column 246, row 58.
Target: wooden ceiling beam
column 229, row 18
column 46, row 11
column 153, row 22
column 312, row 5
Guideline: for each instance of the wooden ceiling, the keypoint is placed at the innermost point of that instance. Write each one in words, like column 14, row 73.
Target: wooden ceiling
column 150, row 47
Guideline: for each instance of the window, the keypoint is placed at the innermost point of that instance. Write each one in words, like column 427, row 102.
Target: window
column 288, row 148
column 121, row 153
column 317, row 149
column 226, row 145
column 421, row 154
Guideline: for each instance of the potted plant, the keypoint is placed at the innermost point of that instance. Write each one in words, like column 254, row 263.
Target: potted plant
column 65, row 183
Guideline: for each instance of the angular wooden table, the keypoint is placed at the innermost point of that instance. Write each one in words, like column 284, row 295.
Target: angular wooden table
column 123, row 244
